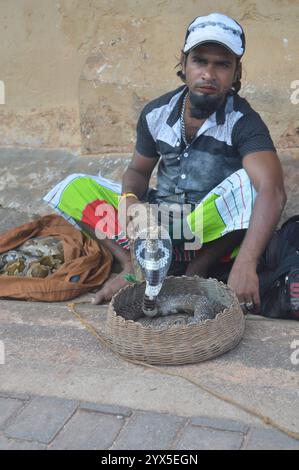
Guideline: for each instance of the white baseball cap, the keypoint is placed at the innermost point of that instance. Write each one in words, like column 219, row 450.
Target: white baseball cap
column 216, row 28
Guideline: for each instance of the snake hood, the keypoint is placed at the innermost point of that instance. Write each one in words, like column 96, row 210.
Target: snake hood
column 153, row 252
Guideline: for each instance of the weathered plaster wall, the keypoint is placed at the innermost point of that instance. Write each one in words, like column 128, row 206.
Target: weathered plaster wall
column 43, row 47
column 78, row 72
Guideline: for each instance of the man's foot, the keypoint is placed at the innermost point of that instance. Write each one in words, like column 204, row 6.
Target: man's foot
column 113, row 285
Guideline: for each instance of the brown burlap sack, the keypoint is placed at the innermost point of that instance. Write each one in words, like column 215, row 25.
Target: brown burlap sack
column 85, row 261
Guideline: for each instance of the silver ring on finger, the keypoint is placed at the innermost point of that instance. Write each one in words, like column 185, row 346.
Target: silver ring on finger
column 246, row 306
column 249, row 306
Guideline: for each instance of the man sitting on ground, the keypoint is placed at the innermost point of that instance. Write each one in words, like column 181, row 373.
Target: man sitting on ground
column 215, row 153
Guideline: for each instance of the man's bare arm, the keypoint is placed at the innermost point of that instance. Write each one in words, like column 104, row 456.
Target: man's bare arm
column 265, row 172
column 136, row 177
column 135, row 180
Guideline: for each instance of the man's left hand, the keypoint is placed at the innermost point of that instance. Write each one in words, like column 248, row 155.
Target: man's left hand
column 244, row 281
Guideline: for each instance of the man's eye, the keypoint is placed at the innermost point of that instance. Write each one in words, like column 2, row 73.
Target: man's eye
column 199, row 61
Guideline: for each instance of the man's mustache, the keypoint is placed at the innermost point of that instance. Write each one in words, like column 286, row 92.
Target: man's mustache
column 206, row 85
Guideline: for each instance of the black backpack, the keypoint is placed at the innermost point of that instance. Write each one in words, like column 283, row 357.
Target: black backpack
column 278, row 272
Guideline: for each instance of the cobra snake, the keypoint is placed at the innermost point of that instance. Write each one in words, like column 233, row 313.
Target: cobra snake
column 152, row 249
column 175, row 309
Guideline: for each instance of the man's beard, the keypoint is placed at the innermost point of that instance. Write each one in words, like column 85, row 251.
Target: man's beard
column 202, row 106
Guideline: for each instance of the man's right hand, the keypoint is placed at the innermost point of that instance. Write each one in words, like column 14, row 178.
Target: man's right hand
column 127, row 209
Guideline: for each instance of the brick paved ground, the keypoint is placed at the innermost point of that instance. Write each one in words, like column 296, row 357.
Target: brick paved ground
column 46, row 423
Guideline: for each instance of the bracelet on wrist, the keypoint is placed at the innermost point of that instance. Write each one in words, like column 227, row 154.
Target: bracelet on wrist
column 124, row 195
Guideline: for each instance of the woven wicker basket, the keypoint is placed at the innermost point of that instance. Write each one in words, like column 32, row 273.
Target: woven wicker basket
column 178, row 344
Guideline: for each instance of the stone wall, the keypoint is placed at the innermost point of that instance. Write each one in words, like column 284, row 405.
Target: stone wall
column 78, row 72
